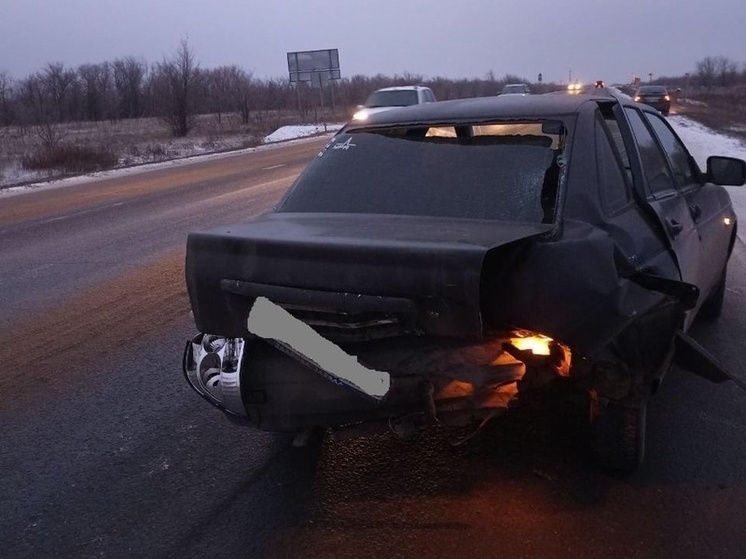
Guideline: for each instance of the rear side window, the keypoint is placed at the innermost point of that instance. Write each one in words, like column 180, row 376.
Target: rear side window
column 654, row 165
column 681, row 163
column 615, row 192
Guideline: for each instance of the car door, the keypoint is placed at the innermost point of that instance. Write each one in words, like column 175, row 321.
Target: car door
column 666, row 199
column 634, row 228
column 708, row 207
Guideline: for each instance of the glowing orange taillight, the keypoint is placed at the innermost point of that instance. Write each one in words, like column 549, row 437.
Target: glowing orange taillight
column 537, row 344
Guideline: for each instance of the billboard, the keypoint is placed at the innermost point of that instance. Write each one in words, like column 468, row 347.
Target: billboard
column 315, row 66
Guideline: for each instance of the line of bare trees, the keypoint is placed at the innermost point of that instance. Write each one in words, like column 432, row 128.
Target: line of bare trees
column 176, row 89
column 710, row 73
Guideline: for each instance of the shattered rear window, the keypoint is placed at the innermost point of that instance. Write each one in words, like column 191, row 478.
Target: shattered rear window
column 507, row 171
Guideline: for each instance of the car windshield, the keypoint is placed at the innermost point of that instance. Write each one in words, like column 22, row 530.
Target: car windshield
column 514, row 89
column 392, row 98
column 651, row 90
column 501, row 171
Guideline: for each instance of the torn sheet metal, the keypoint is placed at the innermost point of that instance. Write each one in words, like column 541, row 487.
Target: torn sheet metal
column 271, row 322
column 691, row 356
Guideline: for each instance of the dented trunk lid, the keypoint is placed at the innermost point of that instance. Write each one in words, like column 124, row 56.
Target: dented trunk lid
column 352, row 277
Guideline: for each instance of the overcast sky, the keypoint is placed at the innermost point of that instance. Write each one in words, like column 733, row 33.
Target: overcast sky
column 593, row 39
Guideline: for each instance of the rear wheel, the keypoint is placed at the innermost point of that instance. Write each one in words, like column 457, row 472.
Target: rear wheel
column 618, row 435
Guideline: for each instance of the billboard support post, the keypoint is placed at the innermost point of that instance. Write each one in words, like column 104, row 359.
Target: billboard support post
column 316, row 67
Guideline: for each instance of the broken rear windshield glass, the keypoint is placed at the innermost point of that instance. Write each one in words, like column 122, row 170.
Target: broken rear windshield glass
column 502, row 171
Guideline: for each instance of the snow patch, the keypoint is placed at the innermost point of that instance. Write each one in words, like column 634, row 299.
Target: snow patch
column 292, row 132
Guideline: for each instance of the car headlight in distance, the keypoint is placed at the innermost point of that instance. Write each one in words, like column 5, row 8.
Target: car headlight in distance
column 360, row 115
column 637, row 98
column 667, row 97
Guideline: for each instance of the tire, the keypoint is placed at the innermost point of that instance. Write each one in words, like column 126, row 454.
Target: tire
column 712, row 308
column 618, row 436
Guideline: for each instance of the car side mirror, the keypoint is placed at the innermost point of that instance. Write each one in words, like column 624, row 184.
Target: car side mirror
column 726, row 171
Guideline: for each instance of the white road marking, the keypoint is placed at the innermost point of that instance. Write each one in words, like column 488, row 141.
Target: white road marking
column 83, row 212
column 273, row 167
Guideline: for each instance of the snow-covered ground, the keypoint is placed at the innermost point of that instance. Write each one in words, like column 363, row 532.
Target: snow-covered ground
column 702, row 143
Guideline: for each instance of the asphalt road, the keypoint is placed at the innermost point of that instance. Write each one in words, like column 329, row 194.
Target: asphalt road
column 105, row 451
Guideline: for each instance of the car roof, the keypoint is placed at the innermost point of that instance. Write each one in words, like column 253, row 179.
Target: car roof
column 402, row 88
column 484, row 108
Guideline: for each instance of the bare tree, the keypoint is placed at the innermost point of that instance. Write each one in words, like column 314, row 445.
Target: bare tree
column 129, row 74
column 6, row 99
column 94, row 80
column 178, row 80
column 726, row 70
column 228, row 88
column 218, row 84
column 50, row 134
column 706, row 69
column 58, row 81
column 34, row 102
column 243, row 92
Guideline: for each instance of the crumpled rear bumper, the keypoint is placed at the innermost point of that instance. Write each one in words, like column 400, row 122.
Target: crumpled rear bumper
column 275, row 389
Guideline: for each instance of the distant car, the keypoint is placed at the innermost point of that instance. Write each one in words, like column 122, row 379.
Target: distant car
column 393, row 97
column 575, row 88
column 516, row 89
column 441, row 263
column 656, row 96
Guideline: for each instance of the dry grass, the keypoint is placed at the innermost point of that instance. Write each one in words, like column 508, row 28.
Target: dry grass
column 69, row 159
column 28, row 153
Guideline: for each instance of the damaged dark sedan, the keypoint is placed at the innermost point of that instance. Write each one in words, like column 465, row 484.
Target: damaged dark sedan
column 439, row 263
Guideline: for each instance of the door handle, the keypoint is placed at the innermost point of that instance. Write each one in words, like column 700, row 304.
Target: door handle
column 674, row 227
